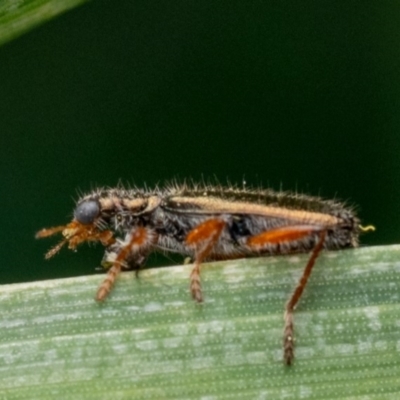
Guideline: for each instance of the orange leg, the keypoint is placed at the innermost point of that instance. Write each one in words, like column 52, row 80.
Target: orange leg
column 203, row 239
column 288, row 345
column 140, row 238
column 288, row 234
column 280, row 235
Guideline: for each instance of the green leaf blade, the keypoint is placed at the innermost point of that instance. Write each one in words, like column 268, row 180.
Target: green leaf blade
column 150, row 340
column 18, row 17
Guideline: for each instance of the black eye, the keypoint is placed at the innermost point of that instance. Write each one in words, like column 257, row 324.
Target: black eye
column 87, row 211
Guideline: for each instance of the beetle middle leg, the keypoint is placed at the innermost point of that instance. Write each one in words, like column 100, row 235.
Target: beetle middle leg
column 203, row 238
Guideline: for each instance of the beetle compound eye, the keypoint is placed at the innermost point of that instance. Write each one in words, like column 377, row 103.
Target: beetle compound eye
column 87, row 211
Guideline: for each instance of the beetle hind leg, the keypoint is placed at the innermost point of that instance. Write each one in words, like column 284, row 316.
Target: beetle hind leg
column 280, row 236
column 288, row 334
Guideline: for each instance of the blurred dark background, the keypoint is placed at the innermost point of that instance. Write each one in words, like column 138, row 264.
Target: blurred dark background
column 300, row 94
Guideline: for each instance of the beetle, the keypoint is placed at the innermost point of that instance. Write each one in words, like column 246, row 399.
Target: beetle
column 208, row 222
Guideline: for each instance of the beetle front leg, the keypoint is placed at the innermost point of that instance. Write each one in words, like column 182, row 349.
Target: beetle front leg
column 138, row 242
